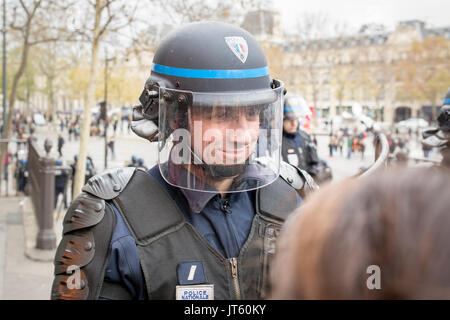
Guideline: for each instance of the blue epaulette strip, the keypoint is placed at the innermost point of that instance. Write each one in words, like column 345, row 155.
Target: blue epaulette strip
column 211, row 74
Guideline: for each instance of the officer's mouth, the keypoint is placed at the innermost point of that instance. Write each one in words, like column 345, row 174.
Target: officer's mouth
column 234, row 153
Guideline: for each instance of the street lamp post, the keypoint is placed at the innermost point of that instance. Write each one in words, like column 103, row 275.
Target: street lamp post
column 106, row 109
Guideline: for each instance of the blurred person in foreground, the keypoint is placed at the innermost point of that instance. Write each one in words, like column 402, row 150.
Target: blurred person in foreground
column 397, row 222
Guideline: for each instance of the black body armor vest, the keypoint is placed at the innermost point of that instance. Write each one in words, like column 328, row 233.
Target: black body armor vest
column 164, row 239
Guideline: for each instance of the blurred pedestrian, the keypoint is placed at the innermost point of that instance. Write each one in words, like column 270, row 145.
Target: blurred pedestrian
column 384, row 236
column 6, row 162
column 70, row 129
column 349, row 146
column 355, row 143
column 115, row 123
column 76, row 132
column 111, row 147
column 426, row 150
column 61, row 124
column 61, row 181
column 340, row 142
column 140, row 164
column 21, row 175
column 60, row 144
column 401, row 153
column 332, row 144
column 133, row 162
column 362, row 147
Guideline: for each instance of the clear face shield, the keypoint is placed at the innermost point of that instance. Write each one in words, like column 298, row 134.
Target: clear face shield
column 227, row 142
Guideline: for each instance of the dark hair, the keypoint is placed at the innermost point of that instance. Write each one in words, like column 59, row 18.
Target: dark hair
column 397, row 220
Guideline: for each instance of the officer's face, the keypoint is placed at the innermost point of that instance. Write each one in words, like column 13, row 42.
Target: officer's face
column 224, row 135
column 290, row 126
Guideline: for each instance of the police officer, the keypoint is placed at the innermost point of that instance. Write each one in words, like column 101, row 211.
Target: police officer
column 440, row 137
column 140, row 164
column 90, row 169
column 21, row 175
column 61, row 179
column 298, row 148
column 134, row 161
column 201, row 224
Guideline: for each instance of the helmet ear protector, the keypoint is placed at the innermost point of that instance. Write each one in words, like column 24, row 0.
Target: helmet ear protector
column 149, row 100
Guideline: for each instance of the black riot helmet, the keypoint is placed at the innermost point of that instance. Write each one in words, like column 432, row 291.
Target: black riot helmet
column 444, row 114
column 440, row 137
column 219, row 111
column 294, row 107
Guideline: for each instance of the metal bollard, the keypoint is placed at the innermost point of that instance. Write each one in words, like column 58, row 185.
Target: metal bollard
column 42, row 180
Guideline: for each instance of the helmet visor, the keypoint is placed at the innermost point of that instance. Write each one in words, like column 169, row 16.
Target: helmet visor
column 220, row 142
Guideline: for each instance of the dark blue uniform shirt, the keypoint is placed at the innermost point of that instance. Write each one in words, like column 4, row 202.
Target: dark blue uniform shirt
column 224, row 222
column 295, row 139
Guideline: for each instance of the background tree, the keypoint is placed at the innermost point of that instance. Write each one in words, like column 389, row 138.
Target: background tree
column 109, row 17
column 51, row 63
column 316, row 54
column 423, row 72
column 31, row 24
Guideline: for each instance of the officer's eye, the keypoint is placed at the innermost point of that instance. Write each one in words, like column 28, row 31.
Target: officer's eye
column 203, row 112
column 252, row 113
column 220, row 113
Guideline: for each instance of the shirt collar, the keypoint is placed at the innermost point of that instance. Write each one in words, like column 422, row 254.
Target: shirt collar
column 197, row 200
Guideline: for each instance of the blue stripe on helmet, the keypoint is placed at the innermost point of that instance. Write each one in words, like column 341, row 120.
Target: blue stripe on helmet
column 447, row 101
column 211, row 74
column 292, row 109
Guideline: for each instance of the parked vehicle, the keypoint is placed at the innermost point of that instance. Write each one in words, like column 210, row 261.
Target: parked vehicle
column 412, row 124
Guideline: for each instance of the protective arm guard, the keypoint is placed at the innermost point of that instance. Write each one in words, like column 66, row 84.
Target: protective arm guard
column 83, row 252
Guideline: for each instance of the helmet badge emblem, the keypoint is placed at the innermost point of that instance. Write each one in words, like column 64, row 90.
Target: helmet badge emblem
column 238, row 46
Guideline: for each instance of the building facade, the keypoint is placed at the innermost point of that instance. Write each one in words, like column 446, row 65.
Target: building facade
column 394, row 75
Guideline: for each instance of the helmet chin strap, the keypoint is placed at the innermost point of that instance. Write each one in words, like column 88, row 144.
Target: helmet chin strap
column 218, row 171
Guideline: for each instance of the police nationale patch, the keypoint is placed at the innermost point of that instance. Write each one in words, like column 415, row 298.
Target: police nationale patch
column 191, row 272
column 200, row 292
column 238, row 46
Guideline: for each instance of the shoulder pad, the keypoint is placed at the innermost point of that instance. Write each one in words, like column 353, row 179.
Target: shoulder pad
column 290, row 174
column 85, row 211
column 297, row 178
column 75, row 249
column 79, row 266
column 110, row 183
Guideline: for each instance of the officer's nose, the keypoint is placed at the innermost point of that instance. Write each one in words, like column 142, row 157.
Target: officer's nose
column 241, row 131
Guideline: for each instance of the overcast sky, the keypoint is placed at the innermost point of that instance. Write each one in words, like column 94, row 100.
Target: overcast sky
column 436, row 13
